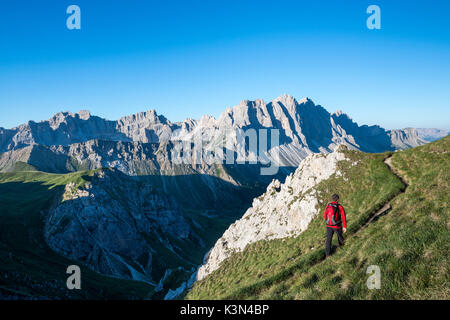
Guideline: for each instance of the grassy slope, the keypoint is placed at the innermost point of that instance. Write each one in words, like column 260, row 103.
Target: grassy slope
column 410, row 243
column 28, row 267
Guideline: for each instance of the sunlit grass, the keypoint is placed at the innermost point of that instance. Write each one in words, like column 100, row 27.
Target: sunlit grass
column 410, row 244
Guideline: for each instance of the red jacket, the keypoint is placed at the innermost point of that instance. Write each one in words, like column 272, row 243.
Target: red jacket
column 341, row 212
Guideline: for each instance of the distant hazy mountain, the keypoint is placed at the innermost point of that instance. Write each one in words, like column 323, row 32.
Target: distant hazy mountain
column 430, row 135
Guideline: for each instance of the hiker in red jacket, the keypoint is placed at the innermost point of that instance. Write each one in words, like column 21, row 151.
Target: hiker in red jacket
column 335, row 218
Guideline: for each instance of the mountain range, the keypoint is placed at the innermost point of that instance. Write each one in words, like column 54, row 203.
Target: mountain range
column 70, row 141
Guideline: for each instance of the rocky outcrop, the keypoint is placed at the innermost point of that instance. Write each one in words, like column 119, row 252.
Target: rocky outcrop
column 118, row 226
column 142, row 227
column 284, row 210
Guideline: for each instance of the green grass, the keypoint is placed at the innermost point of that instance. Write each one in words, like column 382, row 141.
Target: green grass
column 410, row 243
column 29, row 269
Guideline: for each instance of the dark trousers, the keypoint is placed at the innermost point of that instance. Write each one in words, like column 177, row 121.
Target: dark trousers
column 330, row 232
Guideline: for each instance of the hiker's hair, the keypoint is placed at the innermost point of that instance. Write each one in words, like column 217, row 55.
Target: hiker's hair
column 335, row 197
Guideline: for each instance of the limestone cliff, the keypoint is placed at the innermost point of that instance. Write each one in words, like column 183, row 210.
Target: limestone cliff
column 284, row 210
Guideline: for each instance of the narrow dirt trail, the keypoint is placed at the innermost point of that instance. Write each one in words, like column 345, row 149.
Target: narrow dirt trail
column 387, row 206
column 388, row 162
column 385, row 209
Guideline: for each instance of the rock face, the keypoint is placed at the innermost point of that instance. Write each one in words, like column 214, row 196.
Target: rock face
column 144, row 227
column 283, row 210
column 116, row 228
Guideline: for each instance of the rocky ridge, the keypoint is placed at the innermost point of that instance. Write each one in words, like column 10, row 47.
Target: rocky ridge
column 284, row 210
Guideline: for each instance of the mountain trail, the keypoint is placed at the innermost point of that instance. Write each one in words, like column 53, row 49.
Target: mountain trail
column 387, row 206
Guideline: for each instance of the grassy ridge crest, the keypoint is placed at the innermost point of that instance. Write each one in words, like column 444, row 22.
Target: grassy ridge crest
column 409, row 243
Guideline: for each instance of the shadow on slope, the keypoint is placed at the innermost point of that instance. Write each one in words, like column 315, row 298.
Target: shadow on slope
column 29, row 269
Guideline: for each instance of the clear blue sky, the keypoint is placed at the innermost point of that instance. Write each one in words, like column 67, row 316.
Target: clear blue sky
column 189, row 58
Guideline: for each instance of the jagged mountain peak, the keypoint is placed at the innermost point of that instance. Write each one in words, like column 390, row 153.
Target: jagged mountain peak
column 338, row 113
column 305, row 100
column 56, row 119
column 245, row 105
column 62, row 117
column 286, row 99
column 206, row 120
column 284, row 109
column 241, row 114
column 145, row 116
column 289, row 101
column 84, row 114
column 341, row 114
